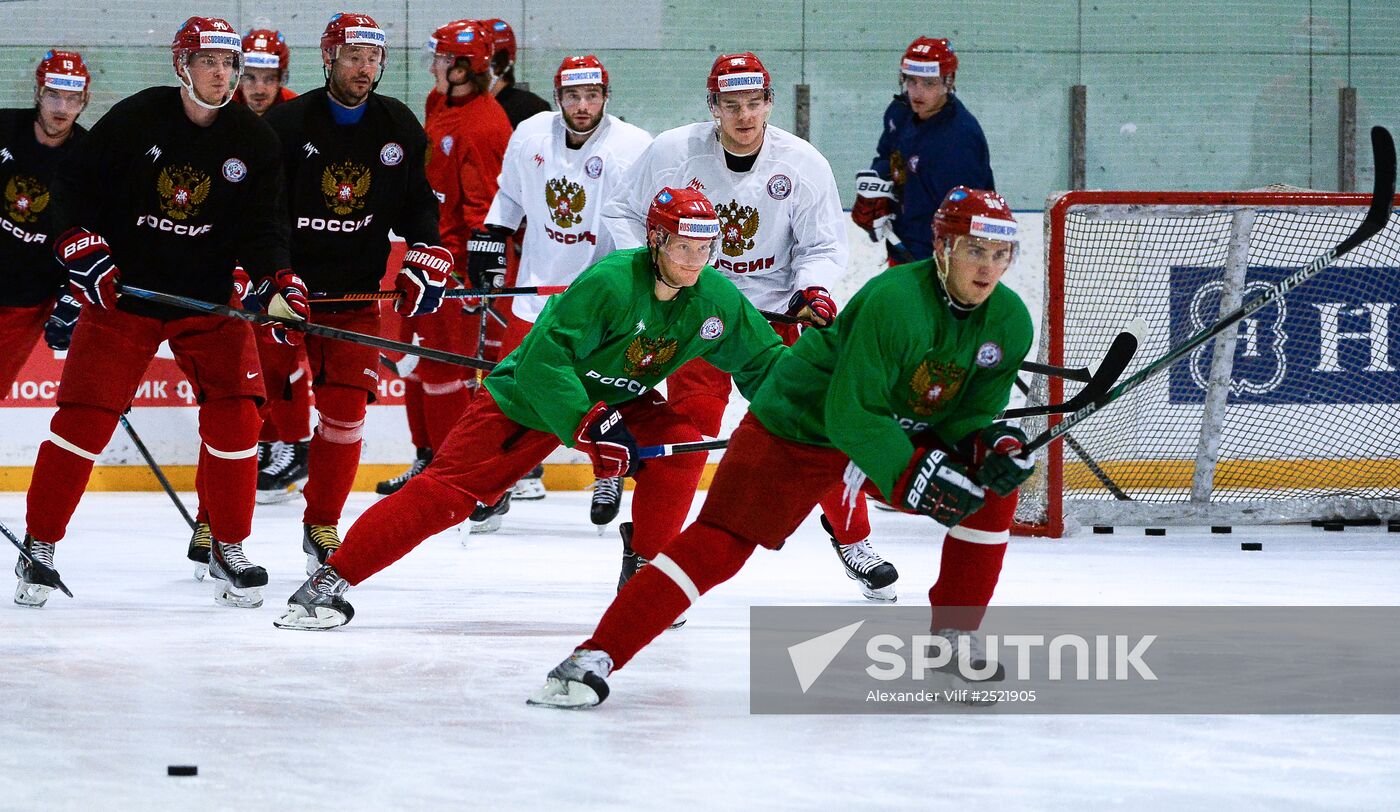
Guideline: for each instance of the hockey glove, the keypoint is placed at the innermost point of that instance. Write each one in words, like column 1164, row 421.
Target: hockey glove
column 284, row 295
column 422, row 280
column 939, row 486
column 243, row 292
column 607, row 443
column 874, row 206
column 812, row 306
column 92, row 274
column 486, row 257
column 58, row 330
column 1003, row 469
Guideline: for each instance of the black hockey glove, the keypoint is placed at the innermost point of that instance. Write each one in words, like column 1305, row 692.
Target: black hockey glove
column 58, row 330
column 938, row 486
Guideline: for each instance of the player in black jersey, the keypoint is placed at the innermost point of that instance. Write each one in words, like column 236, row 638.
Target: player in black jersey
column 168, row 192
column 354, row 168
column 33, row 288
column 518, row 103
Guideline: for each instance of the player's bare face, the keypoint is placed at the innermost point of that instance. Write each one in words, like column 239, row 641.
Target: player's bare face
column 260, row 87
column 582, row 106
column 742, row 116
column 353, row 72
column 680, row 259
column 211, row 74
column 58, row 110
column 927, row 94
column 975, row 265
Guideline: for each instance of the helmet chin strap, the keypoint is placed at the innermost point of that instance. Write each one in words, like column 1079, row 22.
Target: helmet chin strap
column 941, row 263
column 565, row 119
column 188, row 84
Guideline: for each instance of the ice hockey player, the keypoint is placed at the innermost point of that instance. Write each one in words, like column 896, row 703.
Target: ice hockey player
column 170, row 190
column 354, row 169
column 467, row 136
column 929, row 143
column 903, row 390
column 599, row 349
column 783, row 243
column 518, row 103
column 559, row 169
column 267, row 63
column 34, row 299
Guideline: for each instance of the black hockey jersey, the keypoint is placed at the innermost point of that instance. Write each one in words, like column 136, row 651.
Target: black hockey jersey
column 179, row 204
column 520, row 104
column 29, row 274
column 348, row 185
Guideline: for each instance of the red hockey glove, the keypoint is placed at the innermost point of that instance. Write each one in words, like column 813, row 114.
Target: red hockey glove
column 243, row 291
column 1003, row 470
column 939, row 486
column 284, row 295
column 423, row 279
column 812, row 306
column 92, row 274
column 874, row 206
column 607, row 442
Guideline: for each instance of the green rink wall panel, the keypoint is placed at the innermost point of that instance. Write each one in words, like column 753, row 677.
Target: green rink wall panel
column 1181, row 95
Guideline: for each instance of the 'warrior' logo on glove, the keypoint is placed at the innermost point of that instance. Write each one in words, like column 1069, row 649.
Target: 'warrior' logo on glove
column 737, row 226
column 646, row 357
column 182, row 190
column 932, row 385
column 565, row 200
column 26, row 197
column 344, row 187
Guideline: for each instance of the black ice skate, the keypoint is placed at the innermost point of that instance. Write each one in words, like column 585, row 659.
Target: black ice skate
column 198, row 552
column 607, row 501
column 578, row 682
column 284, row 473
column 968, row 667
column 487, row 518
column 392, row 486
column 319, row 605
column 318, row 541
column 238, row 580
column 875, row 575
column 633, row 563
column 35, row 583
column 531, row 486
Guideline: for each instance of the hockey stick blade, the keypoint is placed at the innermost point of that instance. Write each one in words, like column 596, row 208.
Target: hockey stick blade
column 651, row 452
column 1102, row 378
column 1382, row 201
column 29, row 559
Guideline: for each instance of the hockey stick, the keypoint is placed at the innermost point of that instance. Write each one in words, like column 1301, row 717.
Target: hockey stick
column 318, row 297
column 1383, row 147
column 1105, row 375
column 651, row 452
column 308, row 328
column 43, row 569
column 1089, row 462
column 155, row 469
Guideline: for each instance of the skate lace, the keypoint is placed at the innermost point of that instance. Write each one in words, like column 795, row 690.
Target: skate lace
column 328, row 582
column 413, row 470
column 282, row 457
column 203, row 536
column 861, row 557
column 325, row 536
column 41, row 551
column 853, row 479
column 232, row 556
column 607, row 491
column 584, row 660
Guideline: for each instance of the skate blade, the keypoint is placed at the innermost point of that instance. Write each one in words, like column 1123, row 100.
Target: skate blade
column 490, row 525
column 32, row 595
column 564, row 695
column 200, row 571
column 278, row 496
column 228, row 595
column 885, row 594
column 297, row 619
column 602, row 530
column 528, row 490
column 678, row 622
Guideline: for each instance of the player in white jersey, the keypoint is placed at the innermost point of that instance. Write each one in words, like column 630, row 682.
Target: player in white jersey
column 783, row 244
column 559, row 169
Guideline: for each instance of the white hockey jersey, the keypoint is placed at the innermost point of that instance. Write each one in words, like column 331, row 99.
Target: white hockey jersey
column 561, row 191
column 781, row 223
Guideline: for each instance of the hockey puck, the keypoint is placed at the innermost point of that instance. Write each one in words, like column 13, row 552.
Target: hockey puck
column 1251, row 545
column 1103, row 530
column 182, row 769
column 1221, row 529
column 1333, row 527
column 1156, row 531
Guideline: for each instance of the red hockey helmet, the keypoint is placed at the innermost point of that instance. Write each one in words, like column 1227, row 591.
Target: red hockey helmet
column 732, row 72
column 580, row 70
column 975, row 212
column 62, row 70
column 502, row 37
column 684, row 213
column 465, row 39
column 347, row 28
column 927, row 56
column 266, row 48
column 203, row 34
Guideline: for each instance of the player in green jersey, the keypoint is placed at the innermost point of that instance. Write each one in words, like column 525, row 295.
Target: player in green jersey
column 586, row 377
column 898, row 399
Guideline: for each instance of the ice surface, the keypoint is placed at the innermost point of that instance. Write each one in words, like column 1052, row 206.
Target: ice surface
column 420, row 702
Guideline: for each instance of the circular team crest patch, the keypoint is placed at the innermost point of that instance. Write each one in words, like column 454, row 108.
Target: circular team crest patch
column 712, row 328
column 989, row 355
column 391, row 154
column 446, row 144
column 594, row 167
column 779, row 187
column 235, row 170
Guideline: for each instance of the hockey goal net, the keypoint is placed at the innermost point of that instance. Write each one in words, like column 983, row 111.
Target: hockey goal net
column 1294, row 416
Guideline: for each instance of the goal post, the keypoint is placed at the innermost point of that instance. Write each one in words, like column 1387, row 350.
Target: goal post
column 1294, row 415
